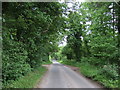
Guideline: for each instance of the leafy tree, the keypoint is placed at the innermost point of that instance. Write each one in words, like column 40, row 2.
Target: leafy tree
column 93, row 35
column 29, row 35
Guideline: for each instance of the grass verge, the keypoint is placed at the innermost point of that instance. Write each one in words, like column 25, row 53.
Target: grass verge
column 94, row 73
column 29, row 80
column 47, row 62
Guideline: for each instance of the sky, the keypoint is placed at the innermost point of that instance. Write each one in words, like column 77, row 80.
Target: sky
column 64, row 41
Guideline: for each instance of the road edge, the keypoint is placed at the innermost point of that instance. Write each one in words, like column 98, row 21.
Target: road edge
column 43, row 76
column 89, row 79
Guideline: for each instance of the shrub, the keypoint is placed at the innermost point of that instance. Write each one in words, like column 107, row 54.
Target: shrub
column 14, row 61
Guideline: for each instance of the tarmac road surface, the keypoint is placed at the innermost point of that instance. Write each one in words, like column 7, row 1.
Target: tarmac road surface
column 60, row 76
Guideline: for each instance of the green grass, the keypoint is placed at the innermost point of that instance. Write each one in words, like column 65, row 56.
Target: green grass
column 60, row 61
column 69, row 62
column 47, row 62
column 95, row 73
column 88, row 70
column 29, row 80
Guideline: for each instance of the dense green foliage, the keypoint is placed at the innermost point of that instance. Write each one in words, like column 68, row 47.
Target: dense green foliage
column 33, row 31
column 92, row 41
column 47, row 62
column 107, row 76
column 30, row 80
column 29, row 36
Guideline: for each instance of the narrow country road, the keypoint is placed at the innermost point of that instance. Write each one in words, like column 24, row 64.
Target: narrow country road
column 60, row 76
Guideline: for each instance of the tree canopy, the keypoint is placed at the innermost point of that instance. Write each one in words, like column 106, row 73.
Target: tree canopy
column 32, row 32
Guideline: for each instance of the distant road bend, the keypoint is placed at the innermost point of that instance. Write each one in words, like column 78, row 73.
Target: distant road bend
column 60, row 76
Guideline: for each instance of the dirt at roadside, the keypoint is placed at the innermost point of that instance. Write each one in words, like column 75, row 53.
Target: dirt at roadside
column 39, row 81
column 77, row 70
column 46, row 65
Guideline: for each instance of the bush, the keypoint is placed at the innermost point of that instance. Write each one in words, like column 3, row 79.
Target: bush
column 108, row 79
column 69, row 62
column 88, row 70
column 47, row 62
column 29, row 80
column 107, row 75
column 14, row 61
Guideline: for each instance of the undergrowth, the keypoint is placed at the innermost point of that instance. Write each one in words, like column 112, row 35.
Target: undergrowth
column 29, row 80
column 101, row 75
